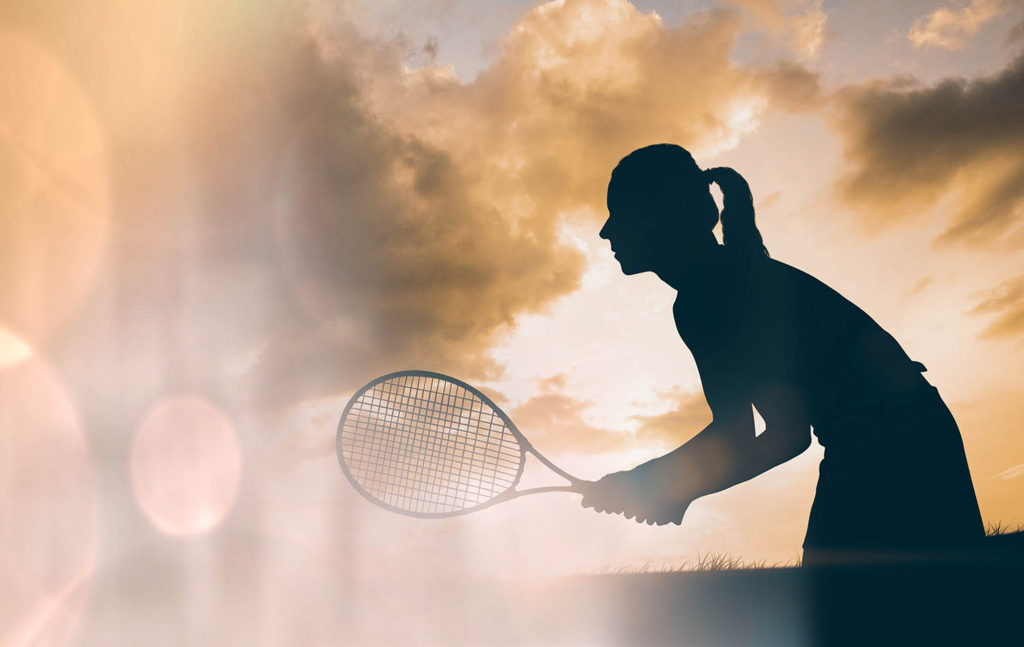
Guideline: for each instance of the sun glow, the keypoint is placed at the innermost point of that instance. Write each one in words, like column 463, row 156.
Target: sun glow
column 13, row 350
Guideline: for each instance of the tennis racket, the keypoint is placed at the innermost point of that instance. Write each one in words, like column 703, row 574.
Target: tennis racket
column 428, row 445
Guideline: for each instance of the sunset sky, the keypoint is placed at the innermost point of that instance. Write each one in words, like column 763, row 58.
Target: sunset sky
column 219, row 219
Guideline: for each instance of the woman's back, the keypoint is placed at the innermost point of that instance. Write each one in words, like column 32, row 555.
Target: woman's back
column 847, row 365
column 779, row 327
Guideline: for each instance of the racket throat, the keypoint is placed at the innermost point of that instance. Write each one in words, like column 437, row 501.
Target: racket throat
column 541, row 475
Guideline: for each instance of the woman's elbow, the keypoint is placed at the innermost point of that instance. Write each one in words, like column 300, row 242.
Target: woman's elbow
column 797, row 441
column 788, row 443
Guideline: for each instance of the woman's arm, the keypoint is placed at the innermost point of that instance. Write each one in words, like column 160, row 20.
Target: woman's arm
column 723, row 454
column 728, row 452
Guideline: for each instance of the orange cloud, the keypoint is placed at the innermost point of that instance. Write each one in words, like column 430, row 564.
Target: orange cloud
column 801, row 22
column 1006, row 303
column 554, row 423
column 950, row 28
column 420, row 214
column 577, row 85
column 688, row 414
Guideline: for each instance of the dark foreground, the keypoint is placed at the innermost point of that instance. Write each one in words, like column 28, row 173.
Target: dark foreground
column 964, row 602
column 951, row 604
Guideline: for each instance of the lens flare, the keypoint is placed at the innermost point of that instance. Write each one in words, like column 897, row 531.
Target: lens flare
column 54, row 190
column 48, row 533
column 185, row 465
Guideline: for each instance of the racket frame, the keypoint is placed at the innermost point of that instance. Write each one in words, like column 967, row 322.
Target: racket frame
column 575, row 484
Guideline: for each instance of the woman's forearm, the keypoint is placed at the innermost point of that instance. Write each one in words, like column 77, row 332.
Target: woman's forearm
column 716, row 459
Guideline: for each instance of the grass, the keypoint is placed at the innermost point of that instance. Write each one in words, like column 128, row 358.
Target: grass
column 703, row 562
column 726, row 562
column 713, row 562
column 997, row 528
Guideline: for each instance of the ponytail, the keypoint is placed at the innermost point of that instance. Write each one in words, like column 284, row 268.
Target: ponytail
column 739, row 232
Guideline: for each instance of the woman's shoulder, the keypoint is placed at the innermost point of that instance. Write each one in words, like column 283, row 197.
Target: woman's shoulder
column 762, row 290
column 775, row 269
column 826, row 314
column 782, row 279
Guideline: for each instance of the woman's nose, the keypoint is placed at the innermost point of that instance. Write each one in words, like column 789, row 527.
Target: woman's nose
column 606, row 229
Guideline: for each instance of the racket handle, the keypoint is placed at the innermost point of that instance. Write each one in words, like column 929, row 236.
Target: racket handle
column 575, row 488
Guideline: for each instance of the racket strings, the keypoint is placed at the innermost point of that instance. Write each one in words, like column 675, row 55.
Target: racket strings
column 426, row 445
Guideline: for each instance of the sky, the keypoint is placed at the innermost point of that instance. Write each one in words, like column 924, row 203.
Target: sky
column 220, row 219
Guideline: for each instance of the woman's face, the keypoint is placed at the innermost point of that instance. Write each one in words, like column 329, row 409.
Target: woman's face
column 632, row 228
column 633, row 237
column 648, row 237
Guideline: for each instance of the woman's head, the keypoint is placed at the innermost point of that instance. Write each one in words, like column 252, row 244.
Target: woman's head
column 660, row 210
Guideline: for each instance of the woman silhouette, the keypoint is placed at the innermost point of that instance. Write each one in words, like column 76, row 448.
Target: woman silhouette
column 894, row 482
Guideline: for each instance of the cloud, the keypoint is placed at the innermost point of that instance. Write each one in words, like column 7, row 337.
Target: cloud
column 687, row 415
column 807, row 28
column 1006, row 302
column 911, row 145
column 950, row 28
column 394, row 253
column 801, row 22
column 298, row 209
column 557, row 422
column 576, row 86
column 792, row 87
column 769, row 13
column 420, row 214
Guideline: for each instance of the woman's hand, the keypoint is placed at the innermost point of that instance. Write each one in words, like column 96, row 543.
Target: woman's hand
column 635, row 495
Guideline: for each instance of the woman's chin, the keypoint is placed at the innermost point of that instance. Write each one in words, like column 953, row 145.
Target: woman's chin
column 631, row 268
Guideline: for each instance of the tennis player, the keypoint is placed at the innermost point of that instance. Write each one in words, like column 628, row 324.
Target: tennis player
column 894, row 482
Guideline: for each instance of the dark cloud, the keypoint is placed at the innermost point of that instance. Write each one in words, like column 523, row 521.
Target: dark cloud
column 791, row 86
column 1006, row 304
column 274, row 227
column 393, row 253
column 294, row 210
column 420, row 214
column 911, row 145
